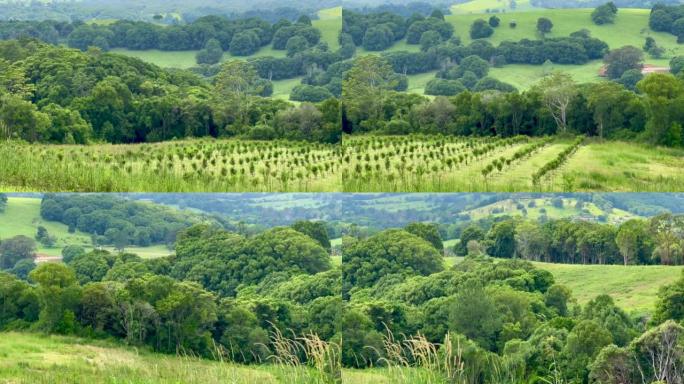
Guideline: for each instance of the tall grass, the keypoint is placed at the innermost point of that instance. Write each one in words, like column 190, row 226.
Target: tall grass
column 183, row 166
column 43, row 359
column 416, row 360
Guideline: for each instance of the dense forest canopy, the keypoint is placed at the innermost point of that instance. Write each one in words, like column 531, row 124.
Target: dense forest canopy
column 60, row 95
column 500, row 321
column 220, row 289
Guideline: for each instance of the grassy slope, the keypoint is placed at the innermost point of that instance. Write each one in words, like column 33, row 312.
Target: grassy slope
column 634, row 288
column 31, row 358
column 22, row 217
column 630, row 28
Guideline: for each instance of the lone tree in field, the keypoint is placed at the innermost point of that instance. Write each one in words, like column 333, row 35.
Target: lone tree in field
column 558, row 90
column 604, row 14
column 544, row 25
column 623, row 59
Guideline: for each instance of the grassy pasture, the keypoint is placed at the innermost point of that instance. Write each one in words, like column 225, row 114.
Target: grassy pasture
column 447, row 164
column 481, row 6
column 22, row 217
column 175, row 166
column 329, row 22
column 40, row 359
column 630, row 28
column 634, row 287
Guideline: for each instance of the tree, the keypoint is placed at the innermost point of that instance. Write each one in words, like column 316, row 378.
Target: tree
column 623, row 59
column 631, row 239
column 558, row 297
column 296, row 44
column 437, row 14
column 670, row 304
column 604, row 14
column 558, row 90
column 89, row 267
column 388, row 252
column 16, row 248
column 584, row 342
column 59, row 295
column 470, row 233
column 501, row 239
column 613, row 365
column 211, row 54
column 245, row 43
column 607, row 101
column 429, row 39
column 428, row 232
column 474, row 314
column 676, row 64
column 3, row 202
column 365, row 85
column 664, row 101
column 659, row 352
column 71, row 251
column 544, row 25
column 480, row 29
column 316, row 230
column 494, row 21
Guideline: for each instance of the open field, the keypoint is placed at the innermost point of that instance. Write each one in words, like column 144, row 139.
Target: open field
column 634, row 288
column 436, row 164
column 178, row 166
column 40, row 359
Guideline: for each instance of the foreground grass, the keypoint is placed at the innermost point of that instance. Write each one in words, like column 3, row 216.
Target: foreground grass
column 447, row 164
column 205, row 165
column 40, row 359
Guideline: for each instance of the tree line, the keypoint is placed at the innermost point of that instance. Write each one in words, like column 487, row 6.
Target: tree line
column 657, row 240
column 489, row 321
column 240, row 37
column 60, row 95
column 632, row 107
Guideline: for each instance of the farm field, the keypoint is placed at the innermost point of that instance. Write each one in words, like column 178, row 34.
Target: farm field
column 39, row 359
column 436, row 164
column 178, row 166
column 630, row 28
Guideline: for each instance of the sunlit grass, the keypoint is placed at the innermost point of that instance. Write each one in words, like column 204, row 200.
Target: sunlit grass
column 447, row 164
column 206, row 165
